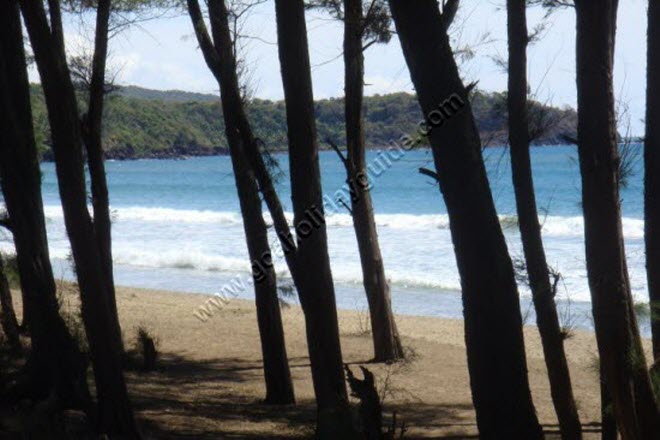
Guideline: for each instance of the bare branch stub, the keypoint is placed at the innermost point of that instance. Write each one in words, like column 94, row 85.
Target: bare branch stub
column 341, row 155
column 429, row 173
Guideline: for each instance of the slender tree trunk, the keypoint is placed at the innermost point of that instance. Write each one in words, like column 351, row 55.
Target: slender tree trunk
column 387, row 345
column 279, row 386
column 55, row 363
column 315, row 284
column 530, row 228
column 115, row 415
column 493, row 322
column 222, row 62
column 622, row 356
column 92, row 132
column 652, row 172
column 7, row 314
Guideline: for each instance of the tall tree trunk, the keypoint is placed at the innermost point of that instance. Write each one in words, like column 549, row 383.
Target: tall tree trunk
column 608, row 427
column 622, row 356
column 55, row 363
column 652, row 172
column 115, row 415
column 493, row 322
column 279, row 386
column 387, row 345
column 92, row 132
column 222, row 62
column 7, row 314
column 315, row 284
column 530, row 229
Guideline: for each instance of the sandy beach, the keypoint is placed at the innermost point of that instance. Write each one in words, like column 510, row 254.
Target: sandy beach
column 209, row 382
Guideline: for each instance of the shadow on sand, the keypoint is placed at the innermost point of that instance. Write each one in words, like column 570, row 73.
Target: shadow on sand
column 188, row 399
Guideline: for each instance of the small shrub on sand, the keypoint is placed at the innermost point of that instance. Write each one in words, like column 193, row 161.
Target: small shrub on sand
column 146, row 347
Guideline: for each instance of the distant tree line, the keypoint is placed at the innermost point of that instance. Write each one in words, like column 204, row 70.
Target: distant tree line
column 142, row 123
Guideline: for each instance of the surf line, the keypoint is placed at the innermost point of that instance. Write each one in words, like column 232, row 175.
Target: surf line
column 314, row 216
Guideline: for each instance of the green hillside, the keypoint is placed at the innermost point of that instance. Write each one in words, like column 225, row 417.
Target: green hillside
column 141, row 123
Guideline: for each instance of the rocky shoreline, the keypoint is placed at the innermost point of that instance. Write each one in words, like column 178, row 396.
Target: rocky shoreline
column 184, row 152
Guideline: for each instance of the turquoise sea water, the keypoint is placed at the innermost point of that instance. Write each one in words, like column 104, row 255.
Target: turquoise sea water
column 177, row 226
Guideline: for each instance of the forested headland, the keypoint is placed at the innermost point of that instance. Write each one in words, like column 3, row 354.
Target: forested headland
column 143, row 123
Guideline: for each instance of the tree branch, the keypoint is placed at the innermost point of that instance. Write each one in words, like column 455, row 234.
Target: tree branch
column 449, row 9
column 345, row 205
column 429, row 173
column 471, row 86
column 343, row 158
column 368, row 16
column 56, row 28
column 203, row 38
column 369, row 44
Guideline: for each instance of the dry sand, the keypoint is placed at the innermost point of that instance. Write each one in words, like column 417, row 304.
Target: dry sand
column 209, row 382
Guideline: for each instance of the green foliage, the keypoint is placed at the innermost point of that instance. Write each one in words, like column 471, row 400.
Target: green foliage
column 40, row 118
column 376, row 24
column 120, row 6
column 142, row 123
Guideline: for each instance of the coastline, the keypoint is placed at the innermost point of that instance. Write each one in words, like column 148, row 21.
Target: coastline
column 423, row 302
column 197, row 151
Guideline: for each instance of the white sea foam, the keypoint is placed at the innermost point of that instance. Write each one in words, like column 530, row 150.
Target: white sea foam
column 169, row 215
column 555, row 226
column 417, row 248
column 179, row 259
column 125, row 254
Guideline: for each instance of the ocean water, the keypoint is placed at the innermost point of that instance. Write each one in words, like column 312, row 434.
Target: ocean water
column 177, row 226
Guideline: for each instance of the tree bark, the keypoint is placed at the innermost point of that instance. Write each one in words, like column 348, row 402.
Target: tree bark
column 115, row 415
column 622, row 356
column 493, row 322
column 7, row 314
column 387, row 345
column 92, row 132
column 315, row 284
column 652, row 172
column 530, row 229
column 222, row 62
column 608, row 427
column 55, row 363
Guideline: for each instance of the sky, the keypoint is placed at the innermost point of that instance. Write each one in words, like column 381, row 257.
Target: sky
column 163, row 54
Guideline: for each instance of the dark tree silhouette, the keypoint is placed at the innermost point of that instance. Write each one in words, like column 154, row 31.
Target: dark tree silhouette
column 652, row 171
column 92, row 131
column 623, row 363
column 365, row 24
column 530, row 229
column 314, row 278
column 493, row 322
column 221, row 60
column 55, row 365
column 387, row 344
column 115, row 415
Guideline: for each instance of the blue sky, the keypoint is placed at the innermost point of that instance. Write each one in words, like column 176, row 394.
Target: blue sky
column 163, row 54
